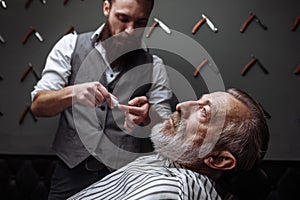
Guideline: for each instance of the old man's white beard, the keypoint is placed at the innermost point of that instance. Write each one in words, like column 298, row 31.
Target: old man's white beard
column 174, row 146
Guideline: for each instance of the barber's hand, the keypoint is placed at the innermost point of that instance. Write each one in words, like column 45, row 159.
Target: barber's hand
column 91, row 94
column 136, row 112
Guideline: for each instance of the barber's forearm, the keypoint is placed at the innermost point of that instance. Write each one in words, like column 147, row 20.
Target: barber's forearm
column 48, row 103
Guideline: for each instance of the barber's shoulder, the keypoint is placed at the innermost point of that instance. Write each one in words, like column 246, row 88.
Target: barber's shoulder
column 70, row 38
column 66, row 42
column 159, row 69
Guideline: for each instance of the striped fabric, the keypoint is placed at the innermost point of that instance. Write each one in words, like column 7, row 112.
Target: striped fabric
column 150, row 178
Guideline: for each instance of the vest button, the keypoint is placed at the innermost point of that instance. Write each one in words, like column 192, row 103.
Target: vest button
column 102, row 107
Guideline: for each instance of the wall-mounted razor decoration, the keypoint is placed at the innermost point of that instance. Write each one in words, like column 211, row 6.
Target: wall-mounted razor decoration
column 30, row 32
column 163, row 26
column 251, row 63
column 25, row 112
column 266, row 114
column 27, row 71
column 249, row 20
column 202, row 21
column 155, row 24
column 3, row 4
column 210, row 24
column 295, row 24
column 28, row 2
column 297, row 70
column 202, row 64
column 197, row 25
column 70, row 30
column 2, row 40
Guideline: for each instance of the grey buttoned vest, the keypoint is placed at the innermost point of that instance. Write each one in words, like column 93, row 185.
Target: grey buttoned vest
column 99, row 131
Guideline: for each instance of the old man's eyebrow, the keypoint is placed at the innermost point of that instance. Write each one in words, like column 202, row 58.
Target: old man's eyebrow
column 204, row 102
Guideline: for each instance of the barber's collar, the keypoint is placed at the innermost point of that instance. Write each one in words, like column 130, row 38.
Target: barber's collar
column 94, row 38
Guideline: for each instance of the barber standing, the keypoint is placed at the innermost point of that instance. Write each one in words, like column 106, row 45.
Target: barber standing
column 88, row 70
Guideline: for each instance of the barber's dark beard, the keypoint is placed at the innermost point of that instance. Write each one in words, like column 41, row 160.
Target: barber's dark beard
column 106, row 32
column 118, row 46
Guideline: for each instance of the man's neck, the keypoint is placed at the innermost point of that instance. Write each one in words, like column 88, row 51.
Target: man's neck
column 201, row 168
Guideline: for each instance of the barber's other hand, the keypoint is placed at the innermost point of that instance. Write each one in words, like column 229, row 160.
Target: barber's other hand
column 136, row 112
column 91, row 94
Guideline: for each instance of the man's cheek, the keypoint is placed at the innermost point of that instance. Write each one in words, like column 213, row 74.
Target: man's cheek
column 192, row 127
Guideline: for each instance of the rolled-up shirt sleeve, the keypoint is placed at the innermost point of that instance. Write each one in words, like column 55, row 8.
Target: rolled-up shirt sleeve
column 58, row 66
column 160, row 93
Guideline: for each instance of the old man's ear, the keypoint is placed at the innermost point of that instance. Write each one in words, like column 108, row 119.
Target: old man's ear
column 223, row 160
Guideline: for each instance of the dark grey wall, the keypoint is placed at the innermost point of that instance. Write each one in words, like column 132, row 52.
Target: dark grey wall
column 277, row 49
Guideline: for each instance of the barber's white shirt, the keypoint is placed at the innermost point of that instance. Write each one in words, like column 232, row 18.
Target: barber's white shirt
column 151, row 177
column 58, row 69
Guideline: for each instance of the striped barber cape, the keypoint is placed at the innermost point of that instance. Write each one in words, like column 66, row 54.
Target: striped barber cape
column 150, row 178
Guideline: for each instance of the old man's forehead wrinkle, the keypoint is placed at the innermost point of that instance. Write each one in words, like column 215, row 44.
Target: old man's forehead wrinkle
column 224, row 105
column 218, row 101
